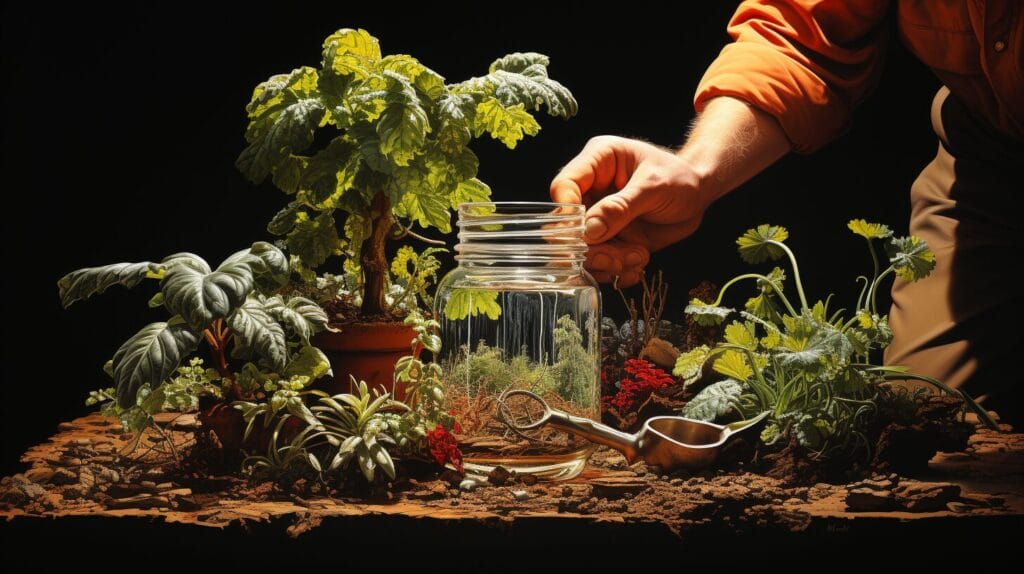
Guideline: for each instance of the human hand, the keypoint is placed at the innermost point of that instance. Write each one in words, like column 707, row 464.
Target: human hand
column 639, row 197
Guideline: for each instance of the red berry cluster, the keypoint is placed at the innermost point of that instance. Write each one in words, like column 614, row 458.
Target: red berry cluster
column 642, row 378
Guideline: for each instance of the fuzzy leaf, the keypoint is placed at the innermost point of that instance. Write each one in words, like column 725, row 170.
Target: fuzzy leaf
column 304, row 317
column 869, row 230
column 470, row 191
column 85, row 283
column 754, row 245
column 284, row 221
column 150, row 356
column 705, row 314
column 330, row 173
column 456, row 113
column 290, row 131
column 742, row 335
column 505, row 123
column 714, row 401
column 733, row 364
column 313, row 240
column 259, row 331
column 690, row 365
column 522, row 79
column 349, row 52
column 308, row 362
column 404, row 124
column 472, row 302
column 911, row 258
column 428, row 210
column 426, row 81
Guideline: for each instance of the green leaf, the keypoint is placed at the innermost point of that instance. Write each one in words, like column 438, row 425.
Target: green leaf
column 469, row 191
column 191, row 290
column 284, row 221
column 813, row 432
column 257, row 330
column 428, row 210
column 426, row 81
column 313, row 240
column 150, row 356
column 714, row 401
column 456, row 113
column 755, row 246
column 522, row 79
column 869, row 230
column 911, row 258
column 349, row 52
column 304, row 317
column 85, row 283
column 472, row 302
column 742, row 335
column 690, row 365
column 507, row 124
column 404, row 125
column 733, row 364
column 330, row 173
column 706, row 314
column 288, row 132
column 764, row 305
column 308, row 362
column 287, row 173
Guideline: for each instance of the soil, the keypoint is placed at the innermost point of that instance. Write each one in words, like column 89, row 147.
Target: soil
column 83, row 471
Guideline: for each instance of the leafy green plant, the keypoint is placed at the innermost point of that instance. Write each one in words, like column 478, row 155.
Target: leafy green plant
column 810, row 368
column 571, row 375
column 232, row 305
column 398, row 156
column 357, row 427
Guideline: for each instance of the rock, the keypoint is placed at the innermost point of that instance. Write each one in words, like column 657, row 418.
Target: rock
column 661, row 353
column 528, row 479
column 468, row 485
column 868, row 500
column 19, row 490
column 39, row 474
column 106, row 475
column 878, row 483
column 63, row 476
column 926, row 496
column 613, row 487
column 520, row 495
column 73, row 492
column 498, row 476
column 142, row 501
column 450, row 476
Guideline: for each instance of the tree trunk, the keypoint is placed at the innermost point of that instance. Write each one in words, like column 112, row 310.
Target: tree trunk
column 374, row 259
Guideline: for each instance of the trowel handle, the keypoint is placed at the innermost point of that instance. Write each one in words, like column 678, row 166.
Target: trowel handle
column 740, row 426
column 596, row 432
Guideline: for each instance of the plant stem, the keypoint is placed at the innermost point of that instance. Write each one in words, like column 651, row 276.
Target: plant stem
column 373, row 258
column 970, row 402
column 796, row 272
column 776, row 288
column 873, row 291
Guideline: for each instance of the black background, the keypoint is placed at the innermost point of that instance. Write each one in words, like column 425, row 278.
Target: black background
column 121, row 126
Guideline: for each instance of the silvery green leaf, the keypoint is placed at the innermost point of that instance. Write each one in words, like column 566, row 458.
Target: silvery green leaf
column 84, row 283
column 150, row 356
column 260, row 332
column 714, row 401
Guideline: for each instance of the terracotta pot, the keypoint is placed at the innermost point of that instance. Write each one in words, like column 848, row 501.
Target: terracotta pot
column 228, row 424
column 368, row 352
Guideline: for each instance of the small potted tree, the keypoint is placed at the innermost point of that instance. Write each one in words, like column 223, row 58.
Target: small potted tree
column 393, row 156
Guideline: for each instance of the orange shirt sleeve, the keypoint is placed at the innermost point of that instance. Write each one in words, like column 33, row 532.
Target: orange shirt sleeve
column 806, row 62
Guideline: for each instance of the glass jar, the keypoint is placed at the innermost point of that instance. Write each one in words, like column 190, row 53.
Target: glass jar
column 520, row 312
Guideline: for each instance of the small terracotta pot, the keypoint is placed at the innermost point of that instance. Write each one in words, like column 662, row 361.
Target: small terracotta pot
column 368, row 352
column 228, row 424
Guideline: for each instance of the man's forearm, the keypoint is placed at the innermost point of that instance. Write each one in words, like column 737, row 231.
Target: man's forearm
column 730, row 143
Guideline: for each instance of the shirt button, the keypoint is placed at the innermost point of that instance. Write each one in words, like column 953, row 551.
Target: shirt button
column 999, row 45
